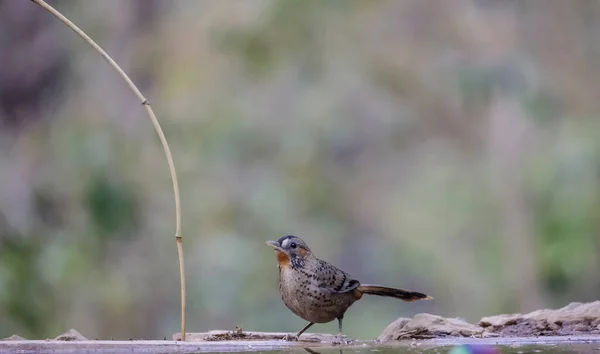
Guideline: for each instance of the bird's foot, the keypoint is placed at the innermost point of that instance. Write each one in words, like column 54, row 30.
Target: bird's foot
column 339, row 340
column 290, row 337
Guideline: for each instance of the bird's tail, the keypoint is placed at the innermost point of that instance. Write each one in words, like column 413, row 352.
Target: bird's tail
column 405, row 295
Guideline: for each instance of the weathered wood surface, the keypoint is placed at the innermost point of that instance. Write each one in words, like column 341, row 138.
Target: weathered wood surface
column 231, row 346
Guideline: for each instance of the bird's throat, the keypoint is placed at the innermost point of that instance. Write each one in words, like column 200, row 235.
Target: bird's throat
column 283, row 259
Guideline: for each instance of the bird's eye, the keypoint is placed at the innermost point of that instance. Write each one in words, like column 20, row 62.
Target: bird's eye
column 293, row 245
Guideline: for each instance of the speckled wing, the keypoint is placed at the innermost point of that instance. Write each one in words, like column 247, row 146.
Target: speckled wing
column 335, row 280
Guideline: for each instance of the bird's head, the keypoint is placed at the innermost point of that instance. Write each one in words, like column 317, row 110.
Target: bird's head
column 289, row 247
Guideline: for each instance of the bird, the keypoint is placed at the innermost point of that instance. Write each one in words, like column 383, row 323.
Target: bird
column 318, row 291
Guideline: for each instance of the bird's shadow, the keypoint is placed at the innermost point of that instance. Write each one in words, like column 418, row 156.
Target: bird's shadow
column 316, row 352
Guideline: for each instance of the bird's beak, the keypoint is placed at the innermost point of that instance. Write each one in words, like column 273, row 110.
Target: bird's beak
column 275, row 245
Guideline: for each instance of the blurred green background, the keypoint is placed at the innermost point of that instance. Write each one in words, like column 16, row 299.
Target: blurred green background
column 450, row 147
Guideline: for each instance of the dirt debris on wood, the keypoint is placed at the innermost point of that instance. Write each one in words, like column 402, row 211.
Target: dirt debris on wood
column 14, row 337
column 575, row 318
column 428, row 326
column 239, row 334
column 71, row 336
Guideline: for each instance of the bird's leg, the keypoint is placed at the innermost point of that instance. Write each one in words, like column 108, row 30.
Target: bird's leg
column 304, row 329
column 297, row 336
column 339, row 339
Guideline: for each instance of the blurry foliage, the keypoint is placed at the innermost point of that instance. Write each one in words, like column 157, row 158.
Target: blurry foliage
column 112, row 207
column 290, row 33
column 26, row 298
column 27, row 82
column 449, row 147
column 568, row 219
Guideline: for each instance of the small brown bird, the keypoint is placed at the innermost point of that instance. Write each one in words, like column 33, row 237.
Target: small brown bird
column 318, row 291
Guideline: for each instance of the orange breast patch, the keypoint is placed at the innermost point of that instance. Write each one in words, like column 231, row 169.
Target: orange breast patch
column 283, row 259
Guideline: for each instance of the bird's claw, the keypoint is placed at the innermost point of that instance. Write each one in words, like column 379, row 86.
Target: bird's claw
column 290, row 337
column 339, row 340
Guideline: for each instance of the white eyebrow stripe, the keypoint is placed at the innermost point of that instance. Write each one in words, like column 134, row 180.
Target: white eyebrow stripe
column 285, row 243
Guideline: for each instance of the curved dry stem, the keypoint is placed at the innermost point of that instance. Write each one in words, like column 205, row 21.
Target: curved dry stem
column 163, row 140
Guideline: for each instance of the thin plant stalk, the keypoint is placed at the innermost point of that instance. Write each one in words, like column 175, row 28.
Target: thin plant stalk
column 163, row 140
